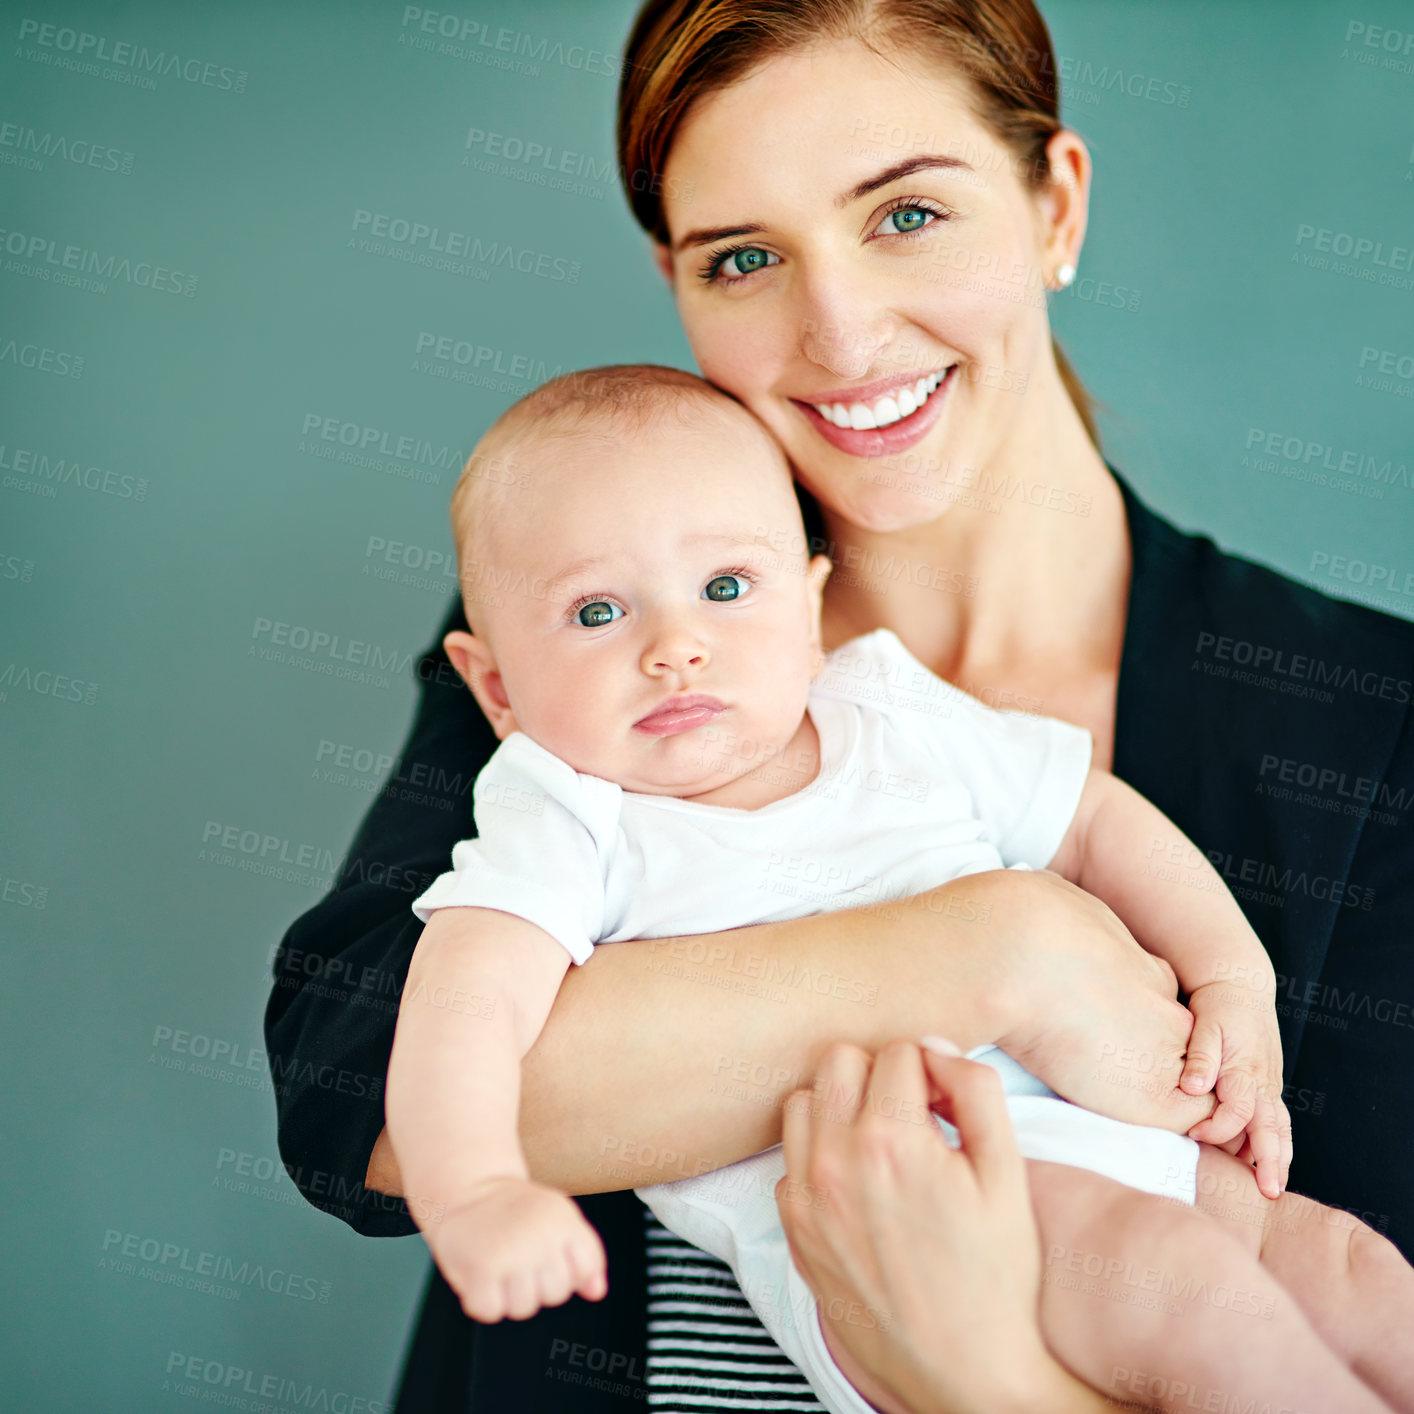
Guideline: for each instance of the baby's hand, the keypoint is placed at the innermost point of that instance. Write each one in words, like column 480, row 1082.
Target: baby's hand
column 1236, row 1046
column 514, row 1247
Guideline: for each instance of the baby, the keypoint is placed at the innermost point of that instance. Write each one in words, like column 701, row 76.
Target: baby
column 678, row 754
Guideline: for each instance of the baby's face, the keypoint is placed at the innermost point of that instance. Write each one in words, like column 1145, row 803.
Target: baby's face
column 653, row 621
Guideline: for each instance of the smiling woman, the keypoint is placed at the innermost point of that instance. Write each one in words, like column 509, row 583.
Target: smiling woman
column 861, row 207
column 991, row 63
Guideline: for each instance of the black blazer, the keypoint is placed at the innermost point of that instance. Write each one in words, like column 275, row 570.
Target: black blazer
column 1269, row 721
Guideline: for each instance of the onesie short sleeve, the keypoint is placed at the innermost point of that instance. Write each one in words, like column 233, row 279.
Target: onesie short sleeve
column 545, row 834
column 1024, row 773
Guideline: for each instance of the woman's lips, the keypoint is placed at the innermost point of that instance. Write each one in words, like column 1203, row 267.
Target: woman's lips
column 881, row 441
column 681, row 715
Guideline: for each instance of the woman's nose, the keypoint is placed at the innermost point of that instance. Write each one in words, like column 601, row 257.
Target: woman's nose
column 843, row 336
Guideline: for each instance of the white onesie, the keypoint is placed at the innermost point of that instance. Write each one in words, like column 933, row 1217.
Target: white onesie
column 918, row 784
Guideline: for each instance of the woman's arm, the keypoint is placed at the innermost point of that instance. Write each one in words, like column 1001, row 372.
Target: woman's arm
column 671, row 1057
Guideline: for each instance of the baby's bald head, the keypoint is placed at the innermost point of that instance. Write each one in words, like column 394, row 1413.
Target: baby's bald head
column 597, row 408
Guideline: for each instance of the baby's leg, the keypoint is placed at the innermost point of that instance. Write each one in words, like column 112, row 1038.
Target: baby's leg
column 1353, row 1284
column 1153, row 1302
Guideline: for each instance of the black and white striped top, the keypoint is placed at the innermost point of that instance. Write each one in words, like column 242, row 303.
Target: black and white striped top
column 706, row 1349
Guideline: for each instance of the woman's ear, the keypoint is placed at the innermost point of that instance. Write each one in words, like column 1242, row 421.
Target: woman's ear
column 1066, row 203
column 473, row 659
column 663, row 259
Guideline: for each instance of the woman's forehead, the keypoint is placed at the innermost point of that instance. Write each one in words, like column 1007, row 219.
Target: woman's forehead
column 814, row 123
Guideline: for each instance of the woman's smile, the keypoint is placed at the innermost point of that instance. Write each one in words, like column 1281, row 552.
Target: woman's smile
column 880, row 418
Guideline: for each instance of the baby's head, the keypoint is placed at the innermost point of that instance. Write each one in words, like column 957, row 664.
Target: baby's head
column 629, row 536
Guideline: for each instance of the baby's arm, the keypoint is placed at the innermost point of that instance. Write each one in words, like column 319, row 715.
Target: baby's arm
column 1118, row 848
column 478, row 990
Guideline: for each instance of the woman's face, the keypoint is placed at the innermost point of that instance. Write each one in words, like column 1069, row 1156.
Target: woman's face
column 850, row 245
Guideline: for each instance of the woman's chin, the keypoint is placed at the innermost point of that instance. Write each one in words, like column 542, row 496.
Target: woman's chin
column 887, row 494
column 884, row 501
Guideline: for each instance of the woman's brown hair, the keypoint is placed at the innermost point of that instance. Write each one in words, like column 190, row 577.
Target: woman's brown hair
column 681, row 50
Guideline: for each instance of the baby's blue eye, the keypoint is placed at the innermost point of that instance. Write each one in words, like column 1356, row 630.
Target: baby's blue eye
column 907, row 218
column 598, row 613
column 724, row 588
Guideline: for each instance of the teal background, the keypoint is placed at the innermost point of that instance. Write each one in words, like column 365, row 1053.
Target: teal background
column 122, row 924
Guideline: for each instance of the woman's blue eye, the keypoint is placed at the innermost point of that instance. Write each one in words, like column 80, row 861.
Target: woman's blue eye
column 906, row 219
column 598, row 613
column 747, row 261
column 724, row 588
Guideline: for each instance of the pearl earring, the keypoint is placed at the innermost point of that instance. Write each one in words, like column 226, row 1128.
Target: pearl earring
column 1064, row 276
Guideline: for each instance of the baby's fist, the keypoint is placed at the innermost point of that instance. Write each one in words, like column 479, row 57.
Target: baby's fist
column 515, row 1247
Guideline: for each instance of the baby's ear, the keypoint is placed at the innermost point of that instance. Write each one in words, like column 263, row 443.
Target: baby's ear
column 817, row 572
column 472, row 658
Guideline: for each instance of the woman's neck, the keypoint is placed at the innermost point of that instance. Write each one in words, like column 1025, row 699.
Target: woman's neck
column 1024, row 579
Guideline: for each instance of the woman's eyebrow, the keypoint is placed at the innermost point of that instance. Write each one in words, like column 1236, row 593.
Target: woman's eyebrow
column 907, row 167
column 706, row 235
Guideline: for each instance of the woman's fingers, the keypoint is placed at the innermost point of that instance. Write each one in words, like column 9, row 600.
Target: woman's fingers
column 839, row 1083
column 970, row 1097
column 813, row 1117
column 897, row 1088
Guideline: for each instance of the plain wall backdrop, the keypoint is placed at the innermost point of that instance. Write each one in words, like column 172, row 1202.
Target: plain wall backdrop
column 237, row 390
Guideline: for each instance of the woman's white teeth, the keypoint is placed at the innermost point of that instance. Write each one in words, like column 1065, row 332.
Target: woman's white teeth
column 902, row 402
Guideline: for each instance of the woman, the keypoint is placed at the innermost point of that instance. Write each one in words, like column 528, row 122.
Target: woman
column 848, row 198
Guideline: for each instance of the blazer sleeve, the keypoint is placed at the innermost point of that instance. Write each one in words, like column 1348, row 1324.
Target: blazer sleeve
column 340, row 969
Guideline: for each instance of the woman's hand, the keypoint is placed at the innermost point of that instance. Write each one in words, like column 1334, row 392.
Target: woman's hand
column 925, row 1261
column 1097, row 1017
